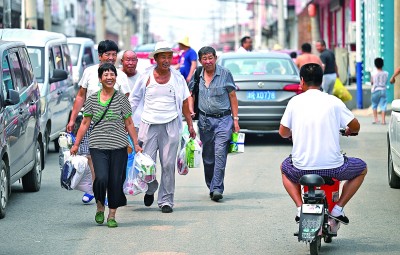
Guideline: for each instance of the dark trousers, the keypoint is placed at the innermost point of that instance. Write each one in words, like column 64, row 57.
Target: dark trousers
column 110, row 173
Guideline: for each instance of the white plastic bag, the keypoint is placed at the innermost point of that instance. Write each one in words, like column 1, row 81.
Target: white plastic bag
column 181, row 165
column 145, row 166
column 86, row 183
column 81, row 165
column 133, row 185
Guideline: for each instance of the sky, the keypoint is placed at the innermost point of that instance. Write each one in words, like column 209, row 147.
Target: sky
column 198, row 19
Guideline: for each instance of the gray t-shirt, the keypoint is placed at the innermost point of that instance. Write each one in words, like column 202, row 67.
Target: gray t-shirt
column 215, row 98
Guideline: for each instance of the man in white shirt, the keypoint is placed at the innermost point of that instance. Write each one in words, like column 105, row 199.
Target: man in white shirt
column 246, row 44
column 313, row 120
column 129, row 62
column 90, row 84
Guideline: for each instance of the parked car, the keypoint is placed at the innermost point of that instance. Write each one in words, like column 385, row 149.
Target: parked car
column 393, row 141
column 266, row 82
column 21, row 142
column 83, row 54
column 52, row 66
column 143, row 51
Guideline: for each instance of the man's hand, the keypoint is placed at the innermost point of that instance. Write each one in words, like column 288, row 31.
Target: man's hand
column 192, row 132
column 236, row 127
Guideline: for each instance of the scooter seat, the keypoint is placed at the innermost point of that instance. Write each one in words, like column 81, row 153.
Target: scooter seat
column 320, row 194
column 312, row 180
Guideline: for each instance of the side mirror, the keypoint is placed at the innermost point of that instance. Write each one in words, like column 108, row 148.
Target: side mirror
column 13, row 97
column 58, row 75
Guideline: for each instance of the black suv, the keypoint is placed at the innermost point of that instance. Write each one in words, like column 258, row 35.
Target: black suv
column 21, row 146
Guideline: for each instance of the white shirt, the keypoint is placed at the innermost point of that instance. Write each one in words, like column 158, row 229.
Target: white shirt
column 90, row 81
column 131, row 82
column 241, row 49
column 315, row 118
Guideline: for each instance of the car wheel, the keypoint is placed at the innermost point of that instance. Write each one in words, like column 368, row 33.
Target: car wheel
column 4, row 189
column 32, row 180
column 394, row 180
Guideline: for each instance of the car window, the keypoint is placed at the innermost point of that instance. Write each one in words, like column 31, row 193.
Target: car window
column 260, row 66
column 88, row 56
column 36, row 56
column 27, row 68
column 6, row 75
column 58, row 57
column 74, row 49
column 16, row 71
column 67, row 59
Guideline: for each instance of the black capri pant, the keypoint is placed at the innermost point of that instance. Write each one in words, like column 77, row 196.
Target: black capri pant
column 110, row 173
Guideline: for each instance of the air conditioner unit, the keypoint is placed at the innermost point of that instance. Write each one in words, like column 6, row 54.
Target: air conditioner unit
column 351, row 32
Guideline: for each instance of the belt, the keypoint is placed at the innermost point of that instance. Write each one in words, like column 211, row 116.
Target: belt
column 216, row 115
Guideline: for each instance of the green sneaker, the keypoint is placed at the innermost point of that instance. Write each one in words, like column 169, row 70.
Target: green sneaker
column 99, row 218
column 112, row 223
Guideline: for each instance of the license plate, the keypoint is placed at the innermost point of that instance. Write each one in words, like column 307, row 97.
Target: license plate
column 312, row 208
column 261, row 95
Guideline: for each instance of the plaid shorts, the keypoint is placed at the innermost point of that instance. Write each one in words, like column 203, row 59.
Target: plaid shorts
column 351, row 168
column 84, row 145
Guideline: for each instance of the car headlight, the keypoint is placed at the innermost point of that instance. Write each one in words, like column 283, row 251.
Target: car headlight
column 43, row 105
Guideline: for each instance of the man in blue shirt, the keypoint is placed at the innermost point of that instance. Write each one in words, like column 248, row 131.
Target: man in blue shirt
column 188, row 59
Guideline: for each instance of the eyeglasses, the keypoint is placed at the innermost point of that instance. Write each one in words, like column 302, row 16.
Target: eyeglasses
column 130, row 60
column 110, row 54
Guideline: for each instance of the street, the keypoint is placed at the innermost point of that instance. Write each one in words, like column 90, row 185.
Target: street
column 256, row 215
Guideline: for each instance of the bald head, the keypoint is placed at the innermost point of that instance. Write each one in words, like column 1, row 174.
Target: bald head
column 129, row 62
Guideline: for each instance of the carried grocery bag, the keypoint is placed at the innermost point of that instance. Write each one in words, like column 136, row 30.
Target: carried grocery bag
column 82, row 180
column 145, row 166
column 181, row 165
column 67, row 173
column 237, row 143
column 193, row 153
column 341, row 92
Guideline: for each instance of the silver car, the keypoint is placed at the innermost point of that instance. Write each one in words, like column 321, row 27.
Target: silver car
column 266, row 82
column 393, row 139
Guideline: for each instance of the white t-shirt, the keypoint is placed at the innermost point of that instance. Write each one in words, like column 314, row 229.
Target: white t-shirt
column 241, row 49
column 90, row 81
column 315, row 119
column 131, row 82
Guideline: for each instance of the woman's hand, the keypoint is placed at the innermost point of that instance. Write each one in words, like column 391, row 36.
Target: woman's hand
column 74, row 149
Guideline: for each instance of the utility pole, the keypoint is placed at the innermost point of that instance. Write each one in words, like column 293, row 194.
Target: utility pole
column 7, row 13
column 100, row 20
column 236, row 25
column 258, row 27
column 396, row 46
column 359, row 55
column 30, row 14
column 23, row 14
column 281, row 24
column 47, row 15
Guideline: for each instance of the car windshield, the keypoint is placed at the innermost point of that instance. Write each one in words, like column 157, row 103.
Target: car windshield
column 74, row 49
column 36, row 55
column 260, row 66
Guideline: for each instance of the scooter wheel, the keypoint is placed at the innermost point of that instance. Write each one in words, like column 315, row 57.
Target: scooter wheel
column 328, row 239
column 315, row 246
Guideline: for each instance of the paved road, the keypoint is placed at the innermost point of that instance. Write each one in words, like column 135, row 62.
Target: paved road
column 255, row 216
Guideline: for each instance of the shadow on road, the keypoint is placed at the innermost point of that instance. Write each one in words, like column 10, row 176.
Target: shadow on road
column 266, row 139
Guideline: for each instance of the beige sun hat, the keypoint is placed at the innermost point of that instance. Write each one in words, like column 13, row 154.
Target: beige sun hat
column 160, row 47
column 185, row 41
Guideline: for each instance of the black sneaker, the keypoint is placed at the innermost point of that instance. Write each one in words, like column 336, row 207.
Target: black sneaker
column 297, row 219
column 216, row 196
column 166, row 209
column 341, row 218
column 148, row 199
column 211, row 194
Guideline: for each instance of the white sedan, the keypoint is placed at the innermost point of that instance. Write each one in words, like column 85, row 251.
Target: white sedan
column 393, row 139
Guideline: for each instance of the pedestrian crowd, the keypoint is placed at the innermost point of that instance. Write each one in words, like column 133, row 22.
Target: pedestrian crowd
column 149, row 108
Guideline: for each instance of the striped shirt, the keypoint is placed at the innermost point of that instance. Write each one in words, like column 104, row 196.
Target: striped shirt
column 215, row 98
column 110, row 132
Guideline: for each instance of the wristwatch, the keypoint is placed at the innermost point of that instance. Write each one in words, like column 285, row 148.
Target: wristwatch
column 235, row 117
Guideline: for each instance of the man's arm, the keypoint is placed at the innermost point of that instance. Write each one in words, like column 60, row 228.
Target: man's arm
column 78, row 104
column 284, row 132
column 396, row 72
column 353, row 127
column 235, row 110
column 188, row 117
column 192, row 70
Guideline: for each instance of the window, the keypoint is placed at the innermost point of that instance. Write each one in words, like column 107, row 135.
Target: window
column 36, row 56
column 27, row 69
column 6, row 77
column 51, row 63
column 58, row 57
column 67, row 59
column 16, row 71
column 88, row 57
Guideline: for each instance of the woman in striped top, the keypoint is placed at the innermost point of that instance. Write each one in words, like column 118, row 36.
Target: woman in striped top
column 108, row 142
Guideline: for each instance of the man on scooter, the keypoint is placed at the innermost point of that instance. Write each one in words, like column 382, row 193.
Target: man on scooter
column 313, row 119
